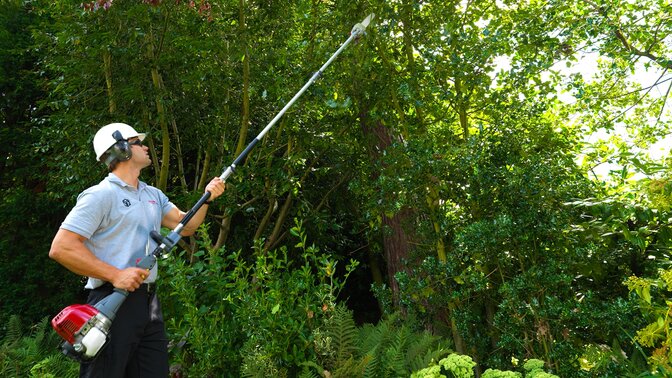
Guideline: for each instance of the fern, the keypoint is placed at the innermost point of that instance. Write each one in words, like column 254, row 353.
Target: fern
column 55, row 365
column 389, row 349
column 307, row 372
column 14, row 330
column 395, row 355
column 343, row 332
column 395, row 350
column 338, row 345
column 33, row 355
column 424, row 350
column 40, row 333
column 372, row 336
column 374, row 340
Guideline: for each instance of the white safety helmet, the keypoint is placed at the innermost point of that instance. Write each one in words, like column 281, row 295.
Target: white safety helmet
column 105, row 139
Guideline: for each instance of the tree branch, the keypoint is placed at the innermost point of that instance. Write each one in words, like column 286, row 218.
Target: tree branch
column 663, row 62
column 638, row 100
column 662, row 107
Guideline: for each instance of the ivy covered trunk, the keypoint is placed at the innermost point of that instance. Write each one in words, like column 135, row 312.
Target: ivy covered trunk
column 394, row 226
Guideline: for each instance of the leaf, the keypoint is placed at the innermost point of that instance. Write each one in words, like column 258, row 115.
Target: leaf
column 646, row 294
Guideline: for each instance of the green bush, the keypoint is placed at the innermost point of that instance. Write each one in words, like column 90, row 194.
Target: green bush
column 535, row 369
column 494, row 373
column 460, row 366
column 254, row 316
column 391, row 348
column 33, row 354
column 454, row 365
column 269, row 315
column 655, row 304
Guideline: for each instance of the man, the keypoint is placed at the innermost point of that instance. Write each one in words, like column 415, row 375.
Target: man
column 105, row 234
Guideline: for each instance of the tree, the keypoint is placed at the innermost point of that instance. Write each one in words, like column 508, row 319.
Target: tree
column 29, row 207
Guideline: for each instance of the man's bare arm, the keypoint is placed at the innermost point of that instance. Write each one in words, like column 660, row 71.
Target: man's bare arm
column 69, row 250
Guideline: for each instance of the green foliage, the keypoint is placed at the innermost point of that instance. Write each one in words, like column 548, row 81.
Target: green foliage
column 337, row 346
column 396, row 349
column 390, row 348
column 452, row 111
column 36, row 286
column 460, row 366
column 454, row 365
column 279, row 319
column 33, row 354
column 517, row 281
column 257, row 313
column 533, row 365
column 29, row 214
column 495, row 373
column 655, row 304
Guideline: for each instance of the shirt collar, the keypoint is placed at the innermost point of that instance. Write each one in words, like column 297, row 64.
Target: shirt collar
column 111, row 177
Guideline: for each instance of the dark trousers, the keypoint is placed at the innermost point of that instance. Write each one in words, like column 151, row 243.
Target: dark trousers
column 138, row 346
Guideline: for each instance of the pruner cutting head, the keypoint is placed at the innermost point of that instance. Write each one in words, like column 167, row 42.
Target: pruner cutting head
column 360, row 28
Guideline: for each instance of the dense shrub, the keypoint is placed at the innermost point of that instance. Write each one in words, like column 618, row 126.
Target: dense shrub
column 33, row 352
column 229, row 314
column 461, row 366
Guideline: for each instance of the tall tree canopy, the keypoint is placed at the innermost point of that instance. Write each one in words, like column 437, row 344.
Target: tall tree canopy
column 440, row 150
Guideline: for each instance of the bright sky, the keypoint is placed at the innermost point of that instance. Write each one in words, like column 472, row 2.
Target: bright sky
column 587, row 67
column 646, row 78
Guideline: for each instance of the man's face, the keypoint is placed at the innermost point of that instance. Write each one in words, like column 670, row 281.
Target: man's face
column 140, row 152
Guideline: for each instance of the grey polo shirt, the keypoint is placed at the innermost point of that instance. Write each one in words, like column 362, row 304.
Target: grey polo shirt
column 116, row 218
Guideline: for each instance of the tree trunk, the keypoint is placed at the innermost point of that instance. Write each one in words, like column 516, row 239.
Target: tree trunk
column 180, row 161
column 225, row 225
column 272, row 206
column 433, row 203
column 157, row 82
column 394, row 231
column 490, row 311
column 244, row 124
column 282, row 217
column 206, row 167
column 407, row 27
column 395, row 247
column 107, row 66
column 460, row 345
column 150, row 142
column 461, row 106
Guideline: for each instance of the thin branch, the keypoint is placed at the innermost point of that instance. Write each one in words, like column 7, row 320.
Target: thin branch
column 163, row 36
column 326, row 196
column 638, row 100
column 657, row 83
column 655, row 35
column 633, row 49
column 665, row 63
column 664, row 99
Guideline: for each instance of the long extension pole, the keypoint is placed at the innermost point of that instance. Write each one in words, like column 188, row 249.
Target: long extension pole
column 168, row 242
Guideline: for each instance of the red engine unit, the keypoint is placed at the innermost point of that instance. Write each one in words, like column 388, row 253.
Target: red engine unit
column 71, row 319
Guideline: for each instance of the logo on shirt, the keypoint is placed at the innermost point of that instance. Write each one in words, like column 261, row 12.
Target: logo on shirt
column 126, row 202
column 152, row 202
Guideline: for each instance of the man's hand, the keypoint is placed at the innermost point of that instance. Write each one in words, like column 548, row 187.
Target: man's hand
column 216, row 187
column 130, row 279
